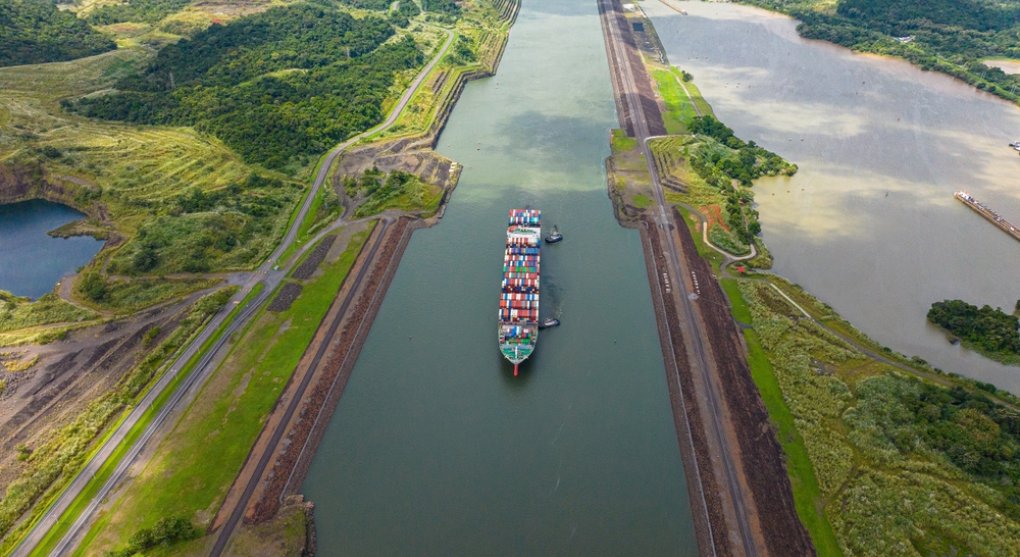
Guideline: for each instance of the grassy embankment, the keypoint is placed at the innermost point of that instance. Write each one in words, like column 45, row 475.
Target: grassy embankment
column 22, row 321
column 193, row 467
column 806, row 494
column 882, row 461
column 885, row 455
column 701, row 163
column 50, row 466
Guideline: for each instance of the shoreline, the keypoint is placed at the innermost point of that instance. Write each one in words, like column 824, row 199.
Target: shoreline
column 738, row 486
column 300, row 433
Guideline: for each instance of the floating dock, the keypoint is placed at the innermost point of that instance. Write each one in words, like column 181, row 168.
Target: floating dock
column 990, row 215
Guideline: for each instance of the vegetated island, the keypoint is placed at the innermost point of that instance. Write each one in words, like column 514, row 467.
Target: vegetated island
column 990, row 331
column 950, row 36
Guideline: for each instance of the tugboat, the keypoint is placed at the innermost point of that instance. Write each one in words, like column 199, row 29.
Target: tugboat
column 554, row 236
column 549, row 322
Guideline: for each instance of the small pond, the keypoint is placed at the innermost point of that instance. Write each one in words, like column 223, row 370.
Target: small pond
column 32, row 261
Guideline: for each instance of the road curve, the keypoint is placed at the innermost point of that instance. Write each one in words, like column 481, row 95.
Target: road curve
column 630, row 96
column 271, row 278
column 331, row 156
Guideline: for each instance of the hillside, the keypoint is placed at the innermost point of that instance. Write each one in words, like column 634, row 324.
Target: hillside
column 276, row 87
column 34, row 31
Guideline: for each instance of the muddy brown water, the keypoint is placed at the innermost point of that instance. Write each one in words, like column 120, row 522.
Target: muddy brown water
column 869, row 224
column 435, row 449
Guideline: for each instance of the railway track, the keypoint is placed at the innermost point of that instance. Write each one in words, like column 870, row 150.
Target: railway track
column 624, row 76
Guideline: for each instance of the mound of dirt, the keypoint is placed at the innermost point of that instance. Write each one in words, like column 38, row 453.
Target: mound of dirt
column 285, row 297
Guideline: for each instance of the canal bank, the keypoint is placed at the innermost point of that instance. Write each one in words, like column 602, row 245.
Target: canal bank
column 869, row 223
column 741, row 493
column 435, row 446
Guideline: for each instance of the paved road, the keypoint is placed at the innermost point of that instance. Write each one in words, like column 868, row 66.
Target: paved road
column 297, row 398
column 271, row 279
column 702, row 364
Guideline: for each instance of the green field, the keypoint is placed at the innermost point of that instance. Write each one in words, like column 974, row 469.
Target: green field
column 195, row 464
column 867, row 446
column 806, row 495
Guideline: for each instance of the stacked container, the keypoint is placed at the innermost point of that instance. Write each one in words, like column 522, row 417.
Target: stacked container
column 518, row 300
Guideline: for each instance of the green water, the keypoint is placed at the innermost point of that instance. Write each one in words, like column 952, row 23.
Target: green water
column 435, row 449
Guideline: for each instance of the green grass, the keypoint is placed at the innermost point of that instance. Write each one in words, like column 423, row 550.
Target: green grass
column 693, row 94
column 641, row 201
column 679, row 110
column 197, row 462
column 19, row 313
column 79, row 503
column 807, row 496
column 886, row 485
column 714, row 258
column 414, row 195
column 620, row 141
column 131, row 296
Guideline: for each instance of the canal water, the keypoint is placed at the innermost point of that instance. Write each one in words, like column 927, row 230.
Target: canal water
column 31, row 261
column 435, row 449
column 869, row 223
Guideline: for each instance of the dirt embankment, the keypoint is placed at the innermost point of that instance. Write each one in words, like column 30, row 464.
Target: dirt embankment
column 70, row 375
column 306, row 430
column 761, row 455
column 702, row 485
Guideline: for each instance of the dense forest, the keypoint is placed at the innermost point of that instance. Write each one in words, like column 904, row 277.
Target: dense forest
column 148, row 11
column 35, row 31
column 277, row 86
column 980, row 438
column 950, row 36
column 988, row 329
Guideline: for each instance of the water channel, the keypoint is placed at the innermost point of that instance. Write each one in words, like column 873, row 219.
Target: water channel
column 869, row 224
column 31, row 261
column 435, row 449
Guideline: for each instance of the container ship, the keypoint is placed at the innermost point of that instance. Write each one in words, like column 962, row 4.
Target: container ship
column 990, row 215
column 518, row 299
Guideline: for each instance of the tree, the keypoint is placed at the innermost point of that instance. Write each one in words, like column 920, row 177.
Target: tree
column 93, row 286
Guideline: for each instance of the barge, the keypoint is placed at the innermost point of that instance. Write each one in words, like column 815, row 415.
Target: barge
column 989, row 215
